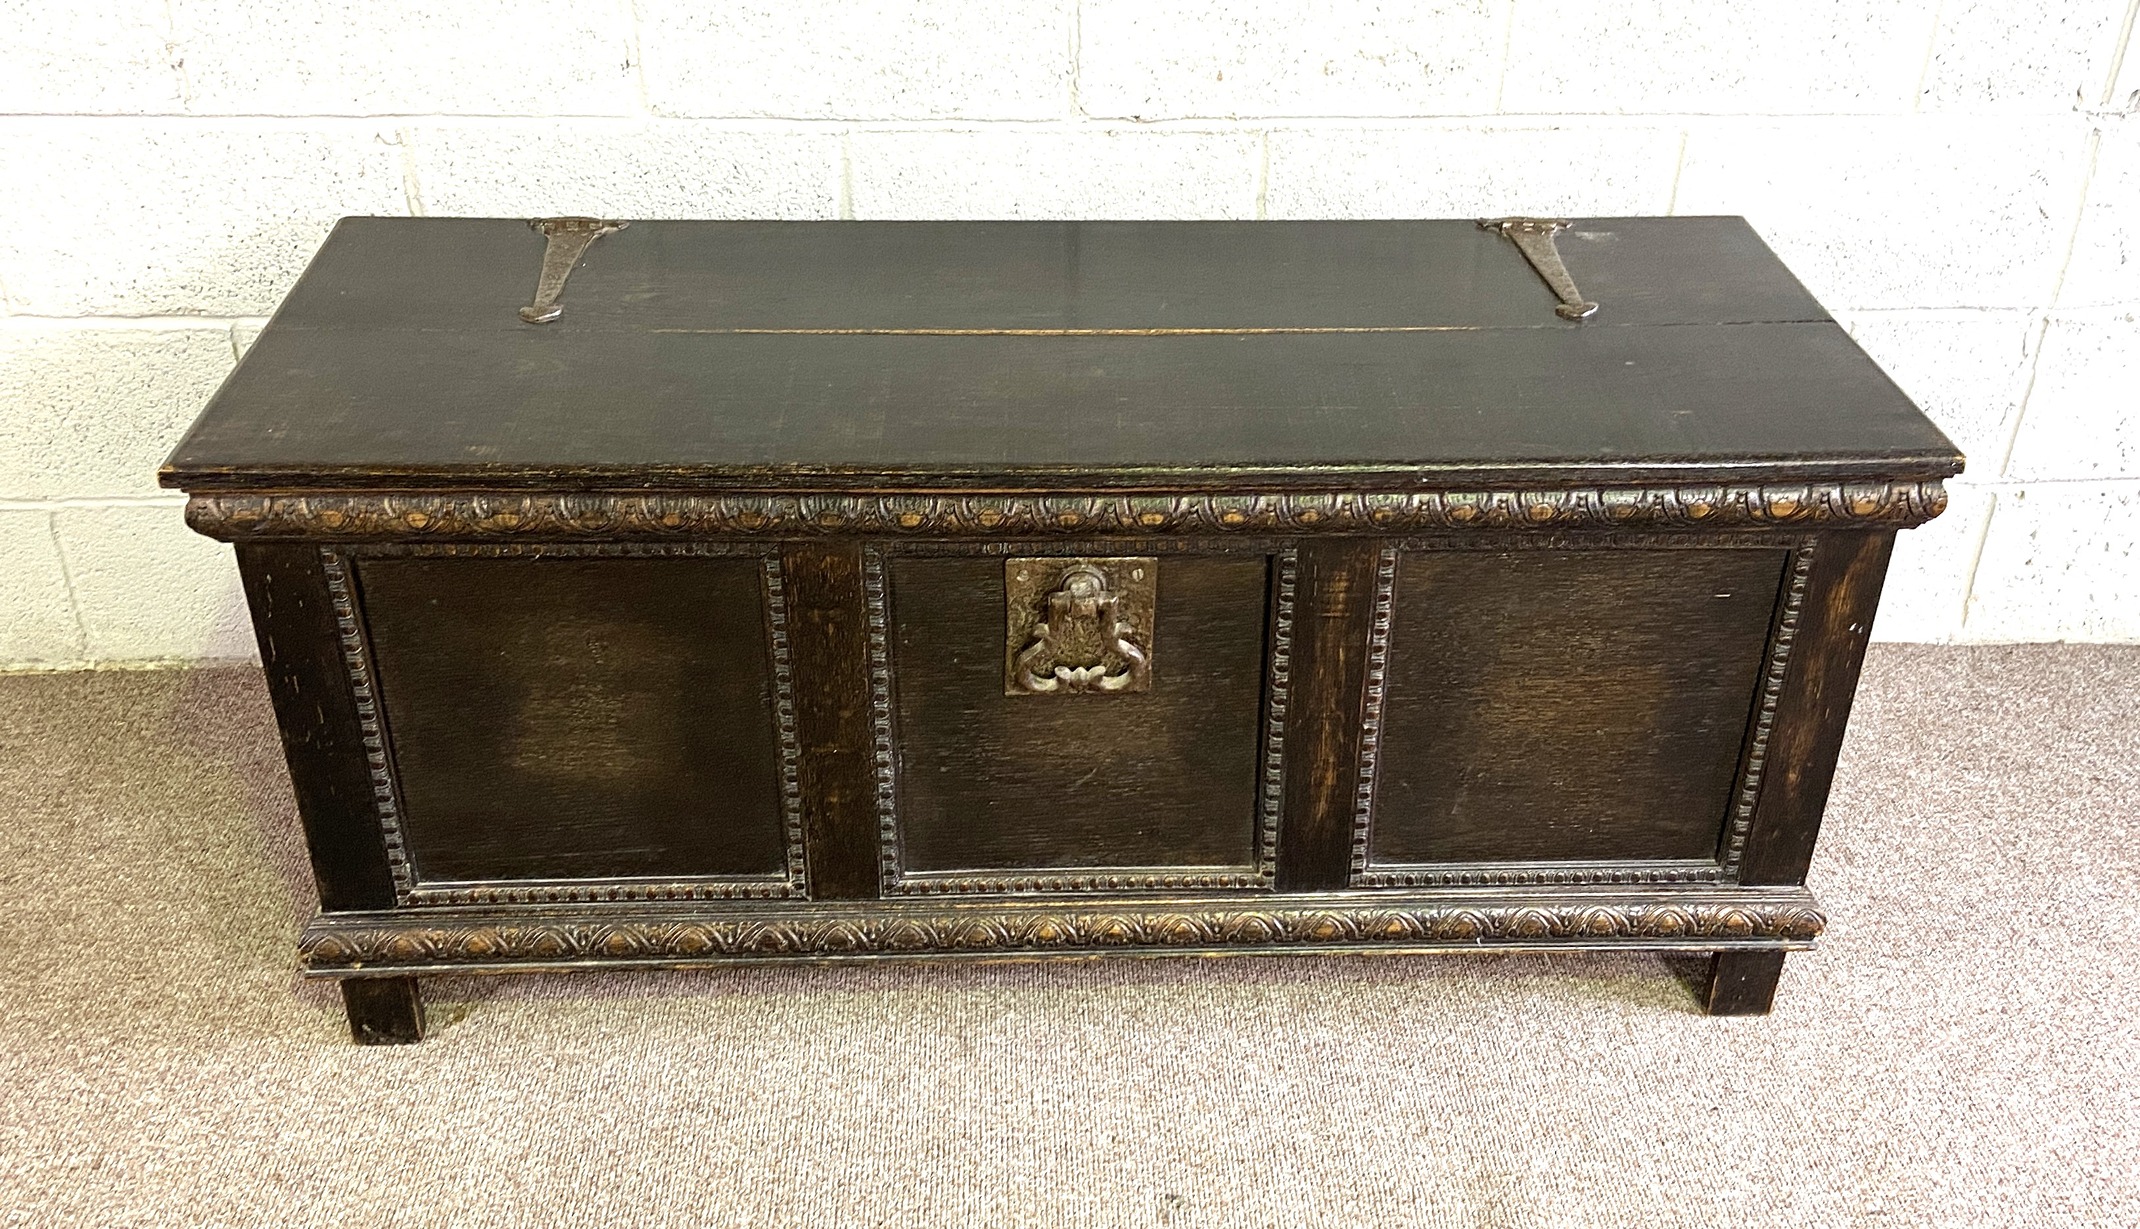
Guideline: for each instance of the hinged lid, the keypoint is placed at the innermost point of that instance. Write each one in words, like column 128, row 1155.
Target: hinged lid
column 1080, row 355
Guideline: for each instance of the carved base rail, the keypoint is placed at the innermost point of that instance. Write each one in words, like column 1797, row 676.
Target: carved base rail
column 557, row 938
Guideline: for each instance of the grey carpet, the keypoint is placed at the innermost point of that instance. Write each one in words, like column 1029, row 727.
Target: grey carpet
column 1961, row 1051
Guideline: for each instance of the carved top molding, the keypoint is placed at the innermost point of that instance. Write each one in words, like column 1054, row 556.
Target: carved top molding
column 495, row 516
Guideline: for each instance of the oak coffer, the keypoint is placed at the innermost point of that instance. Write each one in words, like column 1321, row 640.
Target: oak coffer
column 672, row 593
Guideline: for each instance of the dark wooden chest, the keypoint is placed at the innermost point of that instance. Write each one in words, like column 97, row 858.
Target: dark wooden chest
column 855, row 591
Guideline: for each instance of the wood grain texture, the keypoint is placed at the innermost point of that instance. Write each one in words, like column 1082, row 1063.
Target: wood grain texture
column 972, row 411
column 578, row 718
column 302, row 659
column 1842, row 595
column 384, row 1010
column 830, row 644
column 471, row 273
column 1161, row 778
column 1568, row 704
column 399, row 359
column 1742, row 983
column 1333, row 608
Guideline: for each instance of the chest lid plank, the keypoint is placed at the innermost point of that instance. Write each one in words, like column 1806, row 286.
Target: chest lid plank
column 958, row 355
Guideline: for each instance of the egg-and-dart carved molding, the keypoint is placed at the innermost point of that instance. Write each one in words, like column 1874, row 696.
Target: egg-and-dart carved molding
column 360, row 516
column 385, row 942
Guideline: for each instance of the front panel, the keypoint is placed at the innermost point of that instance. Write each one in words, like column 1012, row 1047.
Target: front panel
column 594, row 723
column 1116, row 745
column 1576, row 707
column 576, row 718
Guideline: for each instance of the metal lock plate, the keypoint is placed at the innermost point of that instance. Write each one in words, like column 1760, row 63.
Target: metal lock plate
column 1079, row 625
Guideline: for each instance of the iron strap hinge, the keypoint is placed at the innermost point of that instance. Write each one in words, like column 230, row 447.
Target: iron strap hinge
column 1534, row 238
column 569, row 239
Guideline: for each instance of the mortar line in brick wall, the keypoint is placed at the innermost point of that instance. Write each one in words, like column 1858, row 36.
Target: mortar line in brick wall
column 412, row 192
column 293, row 119
column 646, row 95
column 172, row 59
column 846, row 194
column 2015, row 484
column 1652, row 119
column 1263, row 179
column 1080, row 122
column 2080, row 213
column 66, row 577
column 1508, row 47
column 1976, row 559
column 124, row 663
column 1944, row 307
column 2098, row 311
column 1924, row 70
column 1110, row 123
column 2028, row 393
column 2117, row 56
column 1077, row 58
column 1679, row 169
column 56, row 503
column 110, row 320
column 1995, row 484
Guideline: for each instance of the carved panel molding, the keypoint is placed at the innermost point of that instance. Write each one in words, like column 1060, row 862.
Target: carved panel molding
column 895, row 880
column 372, row 516
column 1278, row 699
column 364, row 690
column 1365, row 775
column 343, row 944
column 410, row 889
column 1745, row 791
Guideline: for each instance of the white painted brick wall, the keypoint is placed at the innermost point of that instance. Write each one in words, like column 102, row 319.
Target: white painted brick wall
column 1903, row 212
column 176, row 217
column 1200, row 59
column 623, row 168
column 860, row 60
column 2106, row 247
column 400, row 57
column 1025, row 171
column 110, row 58
column 1464, row 169
column 37, row 619
column 2089, row 364
column 1749, row 57
column 1958, row 179
column 1999, row 54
